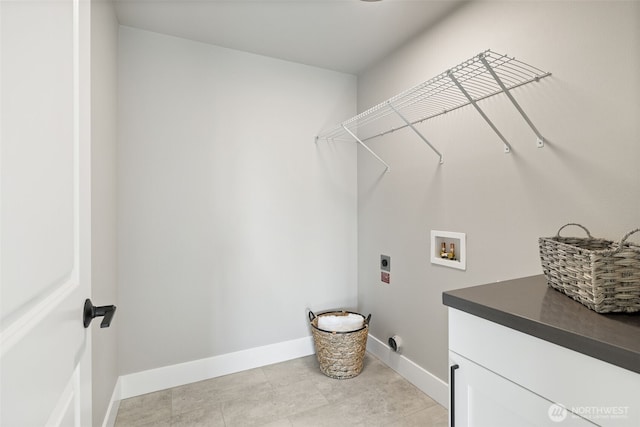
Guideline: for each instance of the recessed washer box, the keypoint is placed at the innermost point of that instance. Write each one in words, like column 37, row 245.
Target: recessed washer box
column 459, row 241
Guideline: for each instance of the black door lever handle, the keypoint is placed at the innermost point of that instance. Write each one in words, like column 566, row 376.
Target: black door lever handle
column 91, row 311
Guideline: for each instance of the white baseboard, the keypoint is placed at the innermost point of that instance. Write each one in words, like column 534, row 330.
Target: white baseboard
column 114, row 405
column 184, row 373
column 431, row 385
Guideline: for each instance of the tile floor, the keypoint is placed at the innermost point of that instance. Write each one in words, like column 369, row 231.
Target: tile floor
column 293, row 393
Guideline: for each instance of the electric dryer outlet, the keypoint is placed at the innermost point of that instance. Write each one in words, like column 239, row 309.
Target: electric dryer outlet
column 385, row 263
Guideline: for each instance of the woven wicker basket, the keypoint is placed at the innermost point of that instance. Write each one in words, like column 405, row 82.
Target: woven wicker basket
column 340, row 354
column 600, row 274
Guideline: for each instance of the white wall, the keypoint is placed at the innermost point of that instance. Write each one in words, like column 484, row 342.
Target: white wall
column 587, row 172
column 104, row 43
column 231, row 219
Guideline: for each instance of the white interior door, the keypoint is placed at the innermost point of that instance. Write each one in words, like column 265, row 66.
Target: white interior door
column 45, row 211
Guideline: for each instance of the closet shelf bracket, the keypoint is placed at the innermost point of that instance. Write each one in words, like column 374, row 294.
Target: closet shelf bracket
column 507, row 146
column 368, row 149
column 413, row 128
column 540, row 139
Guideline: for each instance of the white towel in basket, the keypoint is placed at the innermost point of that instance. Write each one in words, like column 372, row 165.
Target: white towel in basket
column 350, row 322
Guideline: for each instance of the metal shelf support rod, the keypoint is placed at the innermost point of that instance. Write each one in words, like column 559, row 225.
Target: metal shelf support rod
column 365, row 146
column 540, row 141
column 417, row 132
column 507, row 146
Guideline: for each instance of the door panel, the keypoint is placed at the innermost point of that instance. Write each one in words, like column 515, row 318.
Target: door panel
column 37, row 151
column 486, row 399
column 44, row 220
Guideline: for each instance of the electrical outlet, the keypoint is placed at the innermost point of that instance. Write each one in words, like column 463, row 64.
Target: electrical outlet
column 385, row 263
column 385, row 277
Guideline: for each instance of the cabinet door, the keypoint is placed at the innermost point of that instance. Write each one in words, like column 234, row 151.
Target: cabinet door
column 482, row 398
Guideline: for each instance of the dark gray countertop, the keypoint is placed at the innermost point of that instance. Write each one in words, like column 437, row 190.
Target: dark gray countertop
column 528, row 305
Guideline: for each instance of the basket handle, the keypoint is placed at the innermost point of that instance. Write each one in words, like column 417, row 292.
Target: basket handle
column 573, row 223
column 311, row 316
column 624, row 239
column 368, row 319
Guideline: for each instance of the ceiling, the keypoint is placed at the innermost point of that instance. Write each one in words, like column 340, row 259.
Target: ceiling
column 342, row 35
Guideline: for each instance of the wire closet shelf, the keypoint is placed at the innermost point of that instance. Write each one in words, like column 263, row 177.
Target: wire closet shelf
column 485, row 75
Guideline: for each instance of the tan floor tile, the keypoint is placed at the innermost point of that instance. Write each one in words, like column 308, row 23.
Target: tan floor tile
column 404, row 397
column 145, row 410
column 292, row 393
column 292, row 371
column 242, row 379
column 266, row 407
column 155, row 423
column 355, row 410
column 435, row 416
column 201, row 417
column 213, row 396
column 280, row 423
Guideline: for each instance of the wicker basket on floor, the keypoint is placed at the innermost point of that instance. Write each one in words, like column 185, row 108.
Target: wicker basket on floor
column 600, row 274
column 340, row 354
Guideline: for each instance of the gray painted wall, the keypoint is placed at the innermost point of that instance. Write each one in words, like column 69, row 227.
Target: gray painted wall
column 104, row 44
column 231, row 220
column 588, row 171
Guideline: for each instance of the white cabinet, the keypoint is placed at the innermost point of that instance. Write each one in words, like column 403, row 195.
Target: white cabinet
column 508, row 378
column 484, row 398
